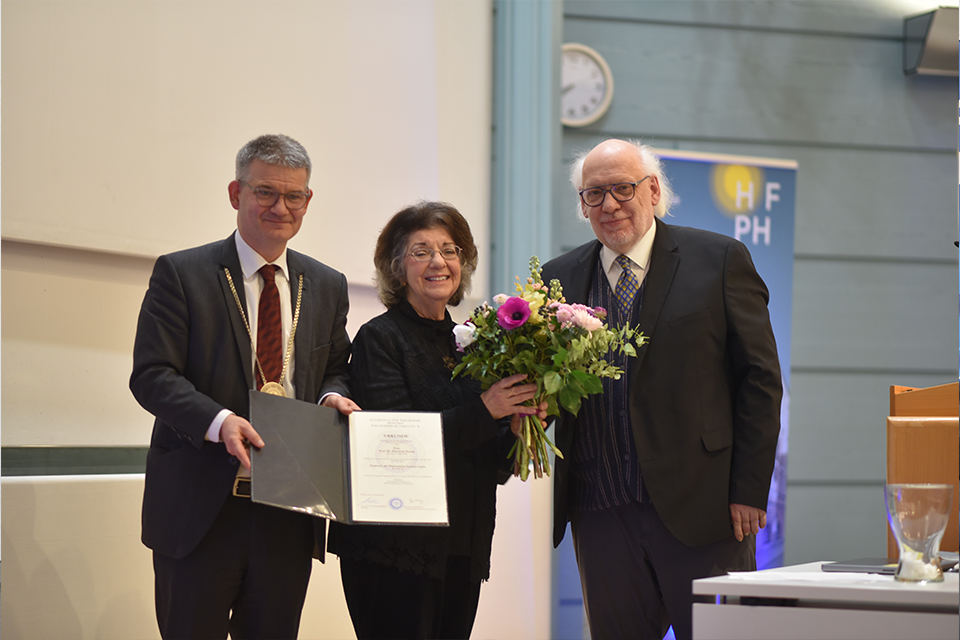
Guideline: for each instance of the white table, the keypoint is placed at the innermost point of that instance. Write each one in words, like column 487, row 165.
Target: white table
column 802, row 603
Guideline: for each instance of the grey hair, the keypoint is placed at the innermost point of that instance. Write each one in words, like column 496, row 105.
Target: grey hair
column 275, row 149
column 651, row 164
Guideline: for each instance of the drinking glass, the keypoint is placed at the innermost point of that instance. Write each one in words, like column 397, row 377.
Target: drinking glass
column 918, row 515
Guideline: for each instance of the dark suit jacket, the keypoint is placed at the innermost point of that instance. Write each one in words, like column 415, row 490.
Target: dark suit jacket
column 705, row 391
column 192, row 358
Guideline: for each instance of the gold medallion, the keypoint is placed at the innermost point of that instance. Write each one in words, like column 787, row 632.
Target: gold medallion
column 274, row 389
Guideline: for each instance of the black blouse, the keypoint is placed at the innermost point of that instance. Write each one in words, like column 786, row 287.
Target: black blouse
column 403, row 362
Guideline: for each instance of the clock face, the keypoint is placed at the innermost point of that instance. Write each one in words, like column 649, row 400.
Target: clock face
column 586, row 86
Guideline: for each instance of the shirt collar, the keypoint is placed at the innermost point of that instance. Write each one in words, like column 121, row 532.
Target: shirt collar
column 251, row 261
column 639, row 253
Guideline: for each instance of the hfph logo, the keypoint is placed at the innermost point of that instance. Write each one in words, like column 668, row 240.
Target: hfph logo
column 739, row 191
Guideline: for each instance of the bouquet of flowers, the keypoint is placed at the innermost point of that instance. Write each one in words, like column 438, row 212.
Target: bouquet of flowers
column 560, row 346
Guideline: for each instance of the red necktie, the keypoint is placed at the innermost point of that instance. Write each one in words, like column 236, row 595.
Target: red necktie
column 269, row 332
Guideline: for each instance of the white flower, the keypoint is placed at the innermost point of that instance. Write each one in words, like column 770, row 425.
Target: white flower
column 464, row 335
column 500, row 298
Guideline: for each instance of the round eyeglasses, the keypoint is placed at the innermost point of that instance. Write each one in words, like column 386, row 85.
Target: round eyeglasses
column 425, row 254
column 268, row 197
column 621, row 192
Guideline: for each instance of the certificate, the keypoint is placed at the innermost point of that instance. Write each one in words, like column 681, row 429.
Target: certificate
column 374, row 468
column 397, row 468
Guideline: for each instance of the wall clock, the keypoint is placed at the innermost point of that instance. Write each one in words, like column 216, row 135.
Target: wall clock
column 586, row 86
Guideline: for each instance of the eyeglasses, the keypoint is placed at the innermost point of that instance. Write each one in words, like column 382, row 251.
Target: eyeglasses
column 425, row 254
column 268, row 197
column 621, row 192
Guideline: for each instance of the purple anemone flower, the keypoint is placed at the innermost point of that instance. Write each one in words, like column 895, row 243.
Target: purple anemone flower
column 513, row 313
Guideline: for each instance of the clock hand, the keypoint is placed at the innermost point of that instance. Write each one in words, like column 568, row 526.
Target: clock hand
column 567, row 88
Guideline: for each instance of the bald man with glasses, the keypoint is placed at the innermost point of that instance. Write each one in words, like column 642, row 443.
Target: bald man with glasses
column 667, row 472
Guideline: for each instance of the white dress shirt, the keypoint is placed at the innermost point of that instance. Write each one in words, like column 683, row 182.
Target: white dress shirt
column 639, row 255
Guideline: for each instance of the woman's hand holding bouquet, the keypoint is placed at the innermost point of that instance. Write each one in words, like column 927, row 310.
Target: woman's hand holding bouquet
column 558, row 346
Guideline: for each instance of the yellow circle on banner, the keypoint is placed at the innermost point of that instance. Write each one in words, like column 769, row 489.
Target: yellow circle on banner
column 736, row 189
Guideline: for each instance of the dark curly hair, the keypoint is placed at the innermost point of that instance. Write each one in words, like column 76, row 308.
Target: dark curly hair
column 392, row 244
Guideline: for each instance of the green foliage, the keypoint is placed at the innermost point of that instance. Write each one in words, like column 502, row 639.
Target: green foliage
column 564, row 348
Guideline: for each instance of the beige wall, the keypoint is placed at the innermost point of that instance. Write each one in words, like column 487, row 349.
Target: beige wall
column 73, row 566
column 69, row 319
column 122, row 120
column 126, row 117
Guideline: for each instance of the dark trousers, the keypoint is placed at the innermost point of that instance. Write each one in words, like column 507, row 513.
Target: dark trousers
column 636, row 576
column 248, row 576
column 388, row 604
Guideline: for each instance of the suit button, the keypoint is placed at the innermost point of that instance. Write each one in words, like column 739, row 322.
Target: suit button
column 233, row 460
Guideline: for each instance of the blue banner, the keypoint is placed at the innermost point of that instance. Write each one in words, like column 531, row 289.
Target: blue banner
column 752, row 200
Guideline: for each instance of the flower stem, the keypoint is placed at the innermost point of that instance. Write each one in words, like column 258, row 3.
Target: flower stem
column 532, row 446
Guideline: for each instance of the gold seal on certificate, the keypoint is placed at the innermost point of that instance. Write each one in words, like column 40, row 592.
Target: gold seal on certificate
column 274, row 389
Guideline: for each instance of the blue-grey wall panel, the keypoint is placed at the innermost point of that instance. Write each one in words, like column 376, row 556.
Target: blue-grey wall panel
column 875, row 315
column 683, row 81
column 849, row 17
column 875, row 277
column 840, row 435
column 859, row 202
column 842, row 523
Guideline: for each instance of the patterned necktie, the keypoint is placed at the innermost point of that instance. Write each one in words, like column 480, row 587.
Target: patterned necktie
column 627, row 286
column 269, row 332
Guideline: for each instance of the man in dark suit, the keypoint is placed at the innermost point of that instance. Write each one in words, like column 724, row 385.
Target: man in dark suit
column 223, row 563
column 666, row 473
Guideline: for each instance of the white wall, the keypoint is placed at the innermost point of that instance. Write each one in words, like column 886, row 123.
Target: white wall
column 127, row 116
column 122, row 120
column 69, row 319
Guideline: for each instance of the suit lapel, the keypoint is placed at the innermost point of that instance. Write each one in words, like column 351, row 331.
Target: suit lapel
column 230, row 260
column 664, row 260
column 302, row 339
column 576, row 283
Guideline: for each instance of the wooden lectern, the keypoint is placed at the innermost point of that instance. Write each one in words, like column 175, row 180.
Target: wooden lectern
column 923, row 446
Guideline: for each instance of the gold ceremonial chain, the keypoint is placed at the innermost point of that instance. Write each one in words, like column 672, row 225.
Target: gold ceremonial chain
column 274, row 388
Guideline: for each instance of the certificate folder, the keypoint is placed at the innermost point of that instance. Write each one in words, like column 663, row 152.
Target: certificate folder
column 373, row 468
